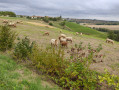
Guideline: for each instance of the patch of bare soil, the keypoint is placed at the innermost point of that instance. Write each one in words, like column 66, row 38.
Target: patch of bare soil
column 40, row 24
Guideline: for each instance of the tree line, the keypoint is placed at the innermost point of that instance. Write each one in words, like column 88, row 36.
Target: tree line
column 112, row 34
column 9, row 13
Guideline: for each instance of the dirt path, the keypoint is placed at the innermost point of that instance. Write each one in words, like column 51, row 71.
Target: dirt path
column 40, row 24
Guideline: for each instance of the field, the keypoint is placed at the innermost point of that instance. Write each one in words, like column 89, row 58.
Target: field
column 35, row 29
column 78, row 28
column 110, row 27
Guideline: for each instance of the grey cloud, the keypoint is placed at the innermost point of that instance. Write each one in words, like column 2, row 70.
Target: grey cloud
column 99, row 9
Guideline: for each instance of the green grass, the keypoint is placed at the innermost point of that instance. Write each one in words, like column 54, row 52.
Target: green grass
column 78, row 28
column 17, row 77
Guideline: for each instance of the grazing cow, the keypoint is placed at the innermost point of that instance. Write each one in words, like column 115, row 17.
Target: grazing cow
column 5, row 21
column 12, row 24
column 63, row 35
column 63, row 44
column 46, row 33
column 69, row 39
column 54, row 42
column 61, row 39
column 19, row 22
column 109, row 41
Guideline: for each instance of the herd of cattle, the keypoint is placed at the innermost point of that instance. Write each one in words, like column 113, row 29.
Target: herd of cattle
column 11, row 23
column 63, row 39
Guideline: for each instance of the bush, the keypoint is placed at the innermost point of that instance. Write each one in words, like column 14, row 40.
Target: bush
column 72, row 73
column 111, row 80
column 51, row 24
column 117, row 37
column 23, row 48
column 111, row 35
column 50, row 61
column 46, row 19
column 62, row 23
column 7, row 38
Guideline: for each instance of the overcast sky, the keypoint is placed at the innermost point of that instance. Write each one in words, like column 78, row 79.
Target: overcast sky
column 82, row 9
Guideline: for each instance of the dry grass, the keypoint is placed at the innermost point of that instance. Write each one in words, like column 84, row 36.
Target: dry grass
column 40, row 24
column 35, row 33
column 110, row 27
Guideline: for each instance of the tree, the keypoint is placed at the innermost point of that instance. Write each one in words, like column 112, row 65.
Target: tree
column 117, row 37
column 51, row 24
column 46, row 19
column 111, row 35
column 62, row 23
column 7, row 38
column 28, row 17
column 9, row 13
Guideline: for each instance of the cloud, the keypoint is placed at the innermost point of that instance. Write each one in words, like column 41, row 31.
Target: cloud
column 98, row 9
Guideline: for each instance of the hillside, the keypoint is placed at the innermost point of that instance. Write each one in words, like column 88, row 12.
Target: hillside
column 17, row 76
column 35, row 32
column 35, row 29
column 82, row 29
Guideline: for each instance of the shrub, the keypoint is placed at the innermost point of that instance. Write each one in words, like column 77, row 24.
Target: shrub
column 111, row 35
column 7, row 38
column 111, row 80
column 50, row 61
column 62, row 23
column 46, row 19
column 51, row 24
column 23, row 48
column 72, row 73
column 117, row 37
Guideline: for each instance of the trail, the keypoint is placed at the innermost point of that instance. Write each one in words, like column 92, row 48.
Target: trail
column 40, row 24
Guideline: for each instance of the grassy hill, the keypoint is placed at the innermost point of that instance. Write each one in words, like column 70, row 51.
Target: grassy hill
column 35, row 29
column 14, row 76
column 78, row 28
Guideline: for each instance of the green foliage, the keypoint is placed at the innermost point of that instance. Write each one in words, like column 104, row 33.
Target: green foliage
column 99, row 48
column 117, row 37
column 11, row 79
column 7, row 38
column 55, row 18
column 111, row 80
column 50, row 60
column 46, row 19
column 23, row 48
column 5, row 13
column 28, row 17
column 62, row 23
column 72, row 73
column 51, row 24
column 111, row 35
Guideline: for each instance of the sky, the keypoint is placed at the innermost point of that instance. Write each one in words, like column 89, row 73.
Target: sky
column 82, row 9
